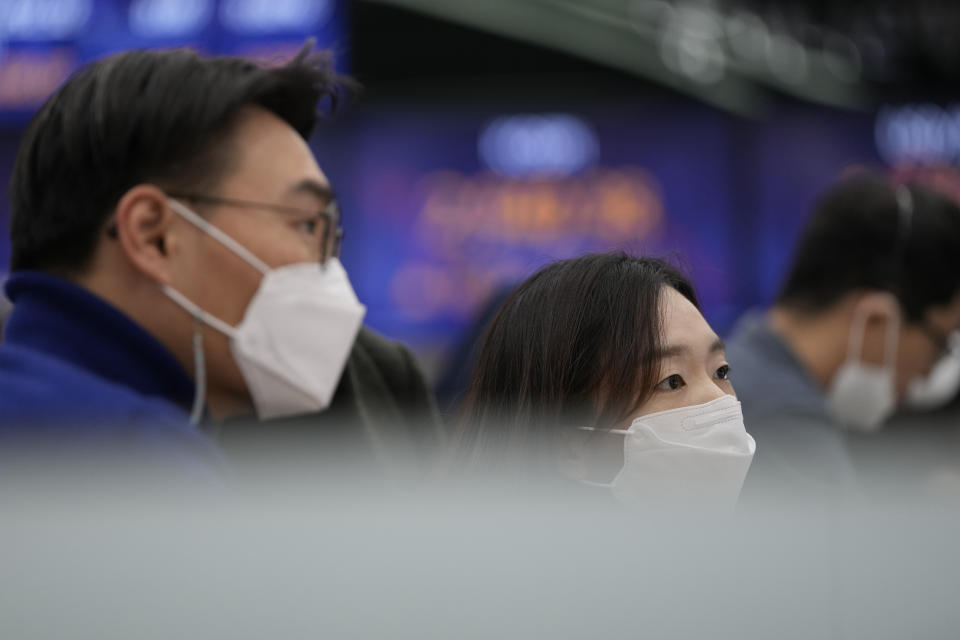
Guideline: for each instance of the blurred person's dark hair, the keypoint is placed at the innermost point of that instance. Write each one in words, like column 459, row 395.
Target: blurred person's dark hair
column 5, row 308
column 576, row 344
column 861, row 236
column 86, row 146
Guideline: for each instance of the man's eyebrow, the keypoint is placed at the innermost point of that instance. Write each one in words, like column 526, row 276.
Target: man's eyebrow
column 674, row 350
column 314, row 188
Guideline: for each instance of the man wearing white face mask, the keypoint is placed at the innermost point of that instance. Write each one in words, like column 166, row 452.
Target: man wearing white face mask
column 175, row 270
column 865, row 314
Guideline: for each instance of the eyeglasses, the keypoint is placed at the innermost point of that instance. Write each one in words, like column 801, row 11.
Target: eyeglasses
column 331, row 233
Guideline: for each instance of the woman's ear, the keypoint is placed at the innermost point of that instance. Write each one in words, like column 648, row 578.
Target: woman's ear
column 143, row 223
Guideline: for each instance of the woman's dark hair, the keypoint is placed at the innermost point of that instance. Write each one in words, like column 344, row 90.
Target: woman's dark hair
column 576, row 344
column 142, row 116
column 867, row 234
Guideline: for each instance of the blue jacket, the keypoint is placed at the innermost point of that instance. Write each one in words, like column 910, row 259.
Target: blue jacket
column 79, row 375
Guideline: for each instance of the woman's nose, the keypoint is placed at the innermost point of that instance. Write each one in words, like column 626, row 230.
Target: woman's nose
column 708, row 390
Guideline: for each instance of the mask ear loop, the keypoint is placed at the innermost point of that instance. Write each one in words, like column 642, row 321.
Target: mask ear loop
column 200, row 316
column 199, row 373
column 893, row 332
column 904, row 226
column 904, row 201
column 855, row 346
column 204, row 225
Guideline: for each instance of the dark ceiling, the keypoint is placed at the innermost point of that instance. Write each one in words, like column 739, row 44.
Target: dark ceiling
column 907, row 49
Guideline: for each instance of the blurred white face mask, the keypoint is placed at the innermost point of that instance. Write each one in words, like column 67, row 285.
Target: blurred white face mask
column 943, row 383
column 862, row 396
column 691, row 456
column 296, row 334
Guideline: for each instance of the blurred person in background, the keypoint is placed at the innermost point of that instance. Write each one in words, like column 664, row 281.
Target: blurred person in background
column 175, row 262
column 865, row 314
column 602, row 369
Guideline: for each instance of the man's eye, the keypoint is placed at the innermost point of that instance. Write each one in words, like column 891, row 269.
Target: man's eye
column 672, row 383
column 723, row 373
column 308, row 227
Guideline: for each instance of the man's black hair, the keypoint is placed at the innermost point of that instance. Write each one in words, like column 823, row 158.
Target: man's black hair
column 865, row 235
column 142, row 116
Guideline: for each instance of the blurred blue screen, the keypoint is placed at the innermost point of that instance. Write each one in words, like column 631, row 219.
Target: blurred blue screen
column 438, row 220
column 43, row 41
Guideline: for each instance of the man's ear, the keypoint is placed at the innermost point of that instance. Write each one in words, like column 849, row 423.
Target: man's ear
column 880, row 314
column 879, row 307
column 143, row 227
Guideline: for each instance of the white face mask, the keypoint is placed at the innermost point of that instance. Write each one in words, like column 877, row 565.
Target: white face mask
column 296, row 333
column 861, row 395
column 943, row 383
column 694, row 456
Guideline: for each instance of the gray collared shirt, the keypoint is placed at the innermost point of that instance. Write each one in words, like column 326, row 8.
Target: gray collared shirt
column 769, row 378
column 799, row 450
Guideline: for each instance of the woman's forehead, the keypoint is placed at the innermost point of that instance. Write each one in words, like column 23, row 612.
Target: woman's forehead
column 684, row 327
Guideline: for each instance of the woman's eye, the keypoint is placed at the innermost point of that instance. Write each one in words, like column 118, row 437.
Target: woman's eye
column 723, row 373
column 672, row 383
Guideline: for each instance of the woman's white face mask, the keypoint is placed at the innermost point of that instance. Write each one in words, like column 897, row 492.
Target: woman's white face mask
column 691, row 456
column 295, row 336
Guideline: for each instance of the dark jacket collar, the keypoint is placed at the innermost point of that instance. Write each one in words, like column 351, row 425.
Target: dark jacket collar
column 65, row 321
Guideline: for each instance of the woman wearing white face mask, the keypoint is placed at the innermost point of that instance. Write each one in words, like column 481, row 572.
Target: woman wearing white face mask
column 603, row 368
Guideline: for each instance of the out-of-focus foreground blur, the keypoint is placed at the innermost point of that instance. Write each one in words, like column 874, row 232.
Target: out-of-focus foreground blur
column 463, row 565
column 491, row 137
